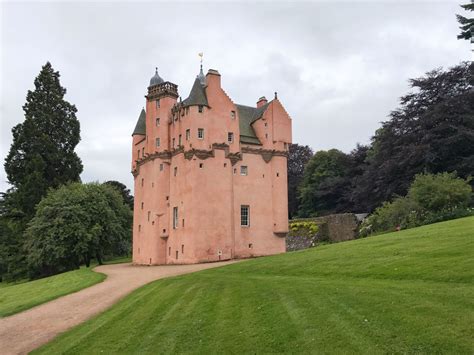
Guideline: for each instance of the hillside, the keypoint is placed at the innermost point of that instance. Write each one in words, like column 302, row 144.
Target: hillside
column 405, row 292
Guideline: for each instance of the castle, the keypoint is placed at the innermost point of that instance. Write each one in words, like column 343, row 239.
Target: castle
column 210, row 175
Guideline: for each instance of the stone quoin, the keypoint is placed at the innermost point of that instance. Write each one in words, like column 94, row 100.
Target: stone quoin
column 210, row 175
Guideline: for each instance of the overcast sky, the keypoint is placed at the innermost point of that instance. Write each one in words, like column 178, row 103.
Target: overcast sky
column 338, row 67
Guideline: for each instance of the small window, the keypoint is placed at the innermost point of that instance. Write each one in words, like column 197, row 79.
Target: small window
column 176, row 255
column 157, row 142
column 235, row 171
column 143, row 152
column 142, row 205
column 161, row 167
column 278, row 174
column 266, row 135
column 174, row 142
column 175, row 217
column 200, row 133
column 182, row 248
column 232, row 114
column 139, row 227
column 157, row 103
column 201, row 165
column 230, row 137
column 149, row 215
column 225, row 165
column 180, row 140
column 182, row 222
column 250, row 246
column 169, row 251
column 244, row 216
column 266, row 124
column 138, row 154
column 187, row 110
column 143, row 181
column 157, row 122
column 244, row 170
column 200, row 108
column 188, row 134
column 175, row 171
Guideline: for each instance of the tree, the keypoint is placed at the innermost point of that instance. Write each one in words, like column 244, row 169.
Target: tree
column 42, row 153
column 75, row 223
column 432, row 131
column 127, row 196
column 467, row 24
column 298, row 157
column 326, row 183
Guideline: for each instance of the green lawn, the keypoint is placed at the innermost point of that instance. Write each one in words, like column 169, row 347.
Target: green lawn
column 19, row 297
column 404, row 292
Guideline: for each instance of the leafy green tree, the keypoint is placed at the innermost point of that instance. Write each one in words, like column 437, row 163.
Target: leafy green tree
column 298, row 157
column 42, row 153
column 467, row 24
column 326, row 183
column 127, row 196
column 432, row 131
column 75, row 223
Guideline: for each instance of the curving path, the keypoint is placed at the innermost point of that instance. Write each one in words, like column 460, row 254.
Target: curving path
column 25, row 331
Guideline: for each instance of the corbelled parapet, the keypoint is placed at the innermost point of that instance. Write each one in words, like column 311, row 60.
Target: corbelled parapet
column 162, row 90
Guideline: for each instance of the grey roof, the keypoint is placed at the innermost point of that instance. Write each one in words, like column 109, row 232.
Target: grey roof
column 197, row 96
column 156, row 79
column 140, row 127
column 247, row 116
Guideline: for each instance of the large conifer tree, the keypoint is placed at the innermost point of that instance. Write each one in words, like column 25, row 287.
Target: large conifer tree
column 42, row 153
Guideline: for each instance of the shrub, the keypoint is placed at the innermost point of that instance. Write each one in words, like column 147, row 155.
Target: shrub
column 431, row 198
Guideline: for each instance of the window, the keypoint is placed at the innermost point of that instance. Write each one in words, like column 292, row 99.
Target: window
column 169, row 251
column 149, row 214
column 200, row 133
column 157, row 122
column 235, row 171
column 175, row 217
column 188, row 134
column 182, row 222
column 244, row 170
column 232, row 114
column 161, row 167
column 225, row 165
column 266, row 124
column 139, row 227
column 157, row 103
column 200, row 108
column 142, row 205
column 143, row 152
column 187, row 110
column 176, row 255
column 174, row 142
column 143, row 181
column 175, row 170
column 244, row 216
column 182, row 248
column 179, row 140
column 201, row 165
column 230, row 137
column 157, row 142
column 266, row 135
column 138, row 153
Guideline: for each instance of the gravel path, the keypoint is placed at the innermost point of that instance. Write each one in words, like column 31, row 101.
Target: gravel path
column 25, row 331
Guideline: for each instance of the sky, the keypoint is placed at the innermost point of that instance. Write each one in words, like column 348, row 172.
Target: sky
column 339, row 67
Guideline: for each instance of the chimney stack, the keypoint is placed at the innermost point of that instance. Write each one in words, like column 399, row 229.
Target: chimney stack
column 261, row 101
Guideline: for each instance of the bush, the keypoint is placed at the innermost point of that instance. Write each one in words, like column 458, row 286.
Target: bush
column 431, row 198
column 74, row 224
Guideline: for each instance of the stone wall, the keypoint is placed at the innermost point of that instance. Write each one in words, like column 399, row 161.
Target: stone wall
column 333, row 229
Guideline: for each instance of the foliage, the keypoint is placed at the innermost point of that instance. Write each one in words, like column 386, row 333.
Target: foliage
column 74, row 224
column 127, row 196
column 19, row 297
column 42, row 153
column 467, row 24
column 275, row 304
column 432, row 131
column 325, row 183
column 298, row 157
column 431, row 198
column 303, row 228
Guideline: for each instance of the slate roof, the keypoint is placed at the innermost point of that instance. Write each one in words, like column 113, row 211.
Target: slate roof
column 197, row 96
column 248, row 115
column 140, row 127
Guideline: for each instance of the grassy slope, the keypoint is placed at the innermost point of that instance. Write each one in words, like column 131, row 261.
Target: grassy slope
column 405, row 292
column 19, row 297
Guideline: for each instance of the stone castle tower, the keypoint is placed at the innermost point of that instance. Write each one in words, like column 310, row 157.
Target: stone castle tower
column 210, row 175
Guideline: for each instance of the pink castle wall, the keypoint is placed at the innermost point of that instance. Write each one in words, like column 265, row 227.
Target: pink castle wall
column 208, row 188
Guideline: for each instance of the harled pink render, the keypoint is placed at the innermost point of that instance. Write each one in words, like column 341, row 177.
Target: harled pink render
column 210, row 176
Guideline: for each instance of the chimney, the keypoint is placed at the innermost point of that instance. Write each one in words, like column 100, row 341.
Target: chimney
column 261, row 101
column 213, row 78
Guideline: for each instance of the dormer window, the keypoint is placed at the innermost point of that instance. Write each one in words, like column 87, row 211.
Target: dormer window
column 200, row 108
